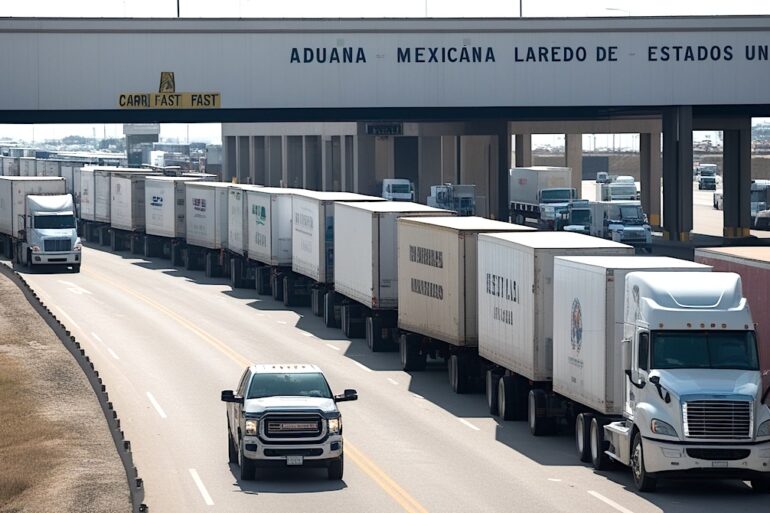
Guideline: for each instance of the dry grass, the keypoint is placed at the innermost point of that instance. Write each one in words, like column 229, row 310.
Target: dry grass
column 25, row 438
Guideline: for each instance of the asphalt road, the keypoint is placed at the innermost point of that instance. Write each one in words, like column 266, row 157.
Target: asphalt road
column 167, row 341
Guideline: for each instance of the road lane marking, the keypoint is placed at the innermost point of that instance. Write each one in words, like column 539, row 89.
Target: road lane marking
column 333, row 347
column 609, row 502
column 417, row 396
column 156, row 406
column 361, row 365
column 97, row 337
column 201, row 487
column 75, row 289
column 282, row 322
column 307, row 334
column 463, row 421
column 112, row 353
column 554, row 480
column 398, row 494
column 72, row 321
column 393, row 381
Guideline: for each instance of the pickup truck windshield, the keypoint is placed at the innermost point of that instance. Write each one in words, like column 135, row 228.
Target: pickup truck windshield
column 555, row 195
column 704, row 350
column 306, row 384
column 54, row 222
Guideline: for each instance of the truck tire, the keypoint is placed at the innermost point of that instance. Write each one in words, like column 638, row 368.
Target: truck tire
column 76, row 268
column 232, row 451
column 599, row 459
column 642, row 480
column 582, row 436
column 336, row 468
column 208, row 268
column 506, row 397
column 28, row 263
column 330, row 317
column 374, row 335
column 537, row 413
column 459, row 374
column 276, row 287
column 288, row 292
column 411, row 358
column 247, row 468
column 492, row 379
column 518, row 219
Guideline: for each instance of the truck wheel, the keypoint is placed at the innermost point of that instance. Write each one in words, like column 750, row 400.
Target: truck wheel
column 247, row 467
column 643, row 481
column 208, row 269
column 539, row 423
column 599, row 459
column 288, row 297
column 76, row 268
column 492, row 379
column 518, row 219
column 336, row 469
column 28, row 263
column 232, row 451
column 760, row 485
column 374, row 335
column 582, row 436
column 506, row 397
column 330, row 319
column 411, row 358
column 459, row 374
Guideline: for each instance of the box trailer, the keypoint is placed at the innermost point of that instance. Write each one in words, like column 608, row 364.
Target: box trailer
column 206, row 218
column 87, row 194
column 127, row 211
column 312, row 248
column 165, row 211
column 753, row 265
column 27, row 166
column 10, row 166
column 242, row 270
column 437, row 297
column 370, row 278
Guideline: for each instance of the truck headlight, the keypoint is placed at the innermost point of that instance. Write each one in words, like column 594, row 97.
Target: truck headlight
column 662, row 428
column 35, row 249
column 335, row 425
column 78, row 246
column 251, row 427
column 764, row 429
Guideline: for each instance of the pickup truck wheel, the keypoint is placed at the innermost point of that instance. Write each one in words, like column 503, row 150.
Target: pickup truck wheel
column 248, row 468
column 336, row 469
column 643, row 481
column 599, row 459
column 582, row 436
column 232, row 451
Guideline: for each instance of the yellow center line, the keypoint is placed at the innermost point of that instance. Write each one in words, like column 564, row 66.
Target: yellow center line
column 401, row 496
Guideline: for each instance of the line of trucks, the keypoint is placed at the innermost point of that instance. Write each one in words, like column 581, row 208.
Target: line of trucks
column 653, row 362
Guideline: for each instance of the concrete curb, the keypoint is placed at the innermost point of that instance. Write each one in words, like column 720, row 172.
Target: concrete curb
column 123, row 446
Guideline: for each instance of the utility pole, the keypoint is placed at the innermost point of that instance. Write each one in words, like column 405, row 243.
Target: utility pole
column 177, row 8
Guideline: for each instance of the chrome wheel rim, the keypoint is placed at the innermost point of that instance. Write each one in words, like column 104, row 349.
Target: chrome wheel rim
column 636, row 462
column 531, row 410
column 580, row 434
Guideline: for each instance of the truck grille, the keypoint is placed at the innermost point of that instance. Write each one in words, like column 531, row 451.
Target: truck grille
column 719, row 454
column 57, row 245
column 293, row 426
column 717, row 419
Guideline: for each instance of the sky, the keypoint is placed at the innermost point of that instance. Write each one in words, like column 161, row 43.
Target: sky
column 341, row 9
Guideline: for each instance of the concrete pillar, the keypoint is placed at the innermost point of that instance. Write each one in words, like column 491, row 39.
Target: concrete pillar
column 274, row 161
column 384, row 158
column 242, row 156
column 355, row 169
column 252, row 160
column 259, row 158
column 650, row 173
column 523, row 150
column 500, row 182
column 429, row 172
column 343, row 163
column 367, row 178
column 293, row 162
column 677, row 173
column 476, row 163
column 736, row 181
column 229, row 158
column 573, row 153
column 284, row 161
column 313, row 162
column 450, row 161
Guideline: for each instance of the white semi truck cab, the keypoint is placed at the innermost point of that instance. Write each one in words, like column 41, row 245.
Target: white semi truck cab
column 397, row 189
column 50, row 232
column 694, row 404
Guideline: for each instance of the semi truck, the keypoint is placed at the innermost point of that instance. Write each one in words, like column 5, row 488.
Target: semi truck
column 95, row 201
column 621, row 221
column 206, row 227
column 37, row 222
column 242, row 270
column 459, row 198
column 369, row 283
column 621, row 189
column 397, row 189
column 539, row 193
column 127, row 211
column 437, row 293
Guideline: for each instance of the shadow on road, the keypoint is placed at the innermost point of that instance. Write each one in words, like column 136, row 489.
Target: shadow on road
column 286, row 480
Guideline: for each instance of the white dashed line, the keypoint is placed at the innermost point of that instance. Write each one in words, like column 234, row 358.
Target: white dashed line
column 308, row 334
column 112, row 353
column 417, row 396
column 72, row 321
column 553, row 479
column 465, row 422
column 393, row 381
column 201, row 487
column 609, row 502
column 282, row 322
column 97, row 337
column 156, row 406
column 367, row 369
column 332, row 346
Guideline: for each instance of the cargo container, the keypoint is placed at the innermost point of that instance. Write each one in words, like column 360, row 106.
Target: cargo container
column 10, row 166
column 206, row 226
column 242, row 270
column 27, row 166
column 370, row 278
column 165, row 226
column 37, row 222
column 437, row 297
column 127, row 211
column 312, row 248
column 753, row 265
column 87, row 195
column 48, row 168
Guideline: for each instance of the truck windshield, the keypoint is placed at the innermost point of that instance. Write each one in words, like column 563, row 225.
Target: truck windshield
column 757, row 196
column 623, row 190
column 581, row 217
column 555, row 195
column 400, row 188
column 304, row 384
column 55, row 222
column 708, row 171
column 704, row 350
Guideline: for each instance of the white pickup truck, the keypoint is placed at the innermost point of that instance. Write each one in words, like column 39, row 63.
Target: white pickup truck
column 285, row 415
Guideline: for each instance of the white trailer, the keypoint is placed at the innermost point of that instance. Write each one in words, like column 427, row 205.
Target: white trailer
column 127, row 211
column 165, row 226
column 269, row 227
column 312, row 250
column 10, row 166
column 242, row 271
column 206, row 218
column 27, row 166
column 370, row 277
column 530, row 189
column 515, row 277
column 437, row 297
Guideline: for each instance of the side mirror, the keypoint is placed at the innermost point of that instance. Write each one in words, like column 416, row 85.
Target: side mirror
column 229, row 397
column 348, row 395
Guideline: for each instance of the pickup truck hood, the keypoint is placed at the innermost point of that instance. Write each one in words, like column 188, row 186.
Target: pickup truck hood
column 284, row 403
column 683, row 382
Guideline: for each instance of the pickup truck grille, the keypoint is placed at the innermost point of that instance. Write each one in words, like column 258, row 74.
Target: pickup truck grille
column 718, row 419
column 293, row 426
column 57, row 245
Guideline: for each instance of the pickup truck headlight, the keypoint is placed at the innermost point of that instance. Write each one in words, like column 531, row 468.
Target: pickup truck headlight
column 662, row 428
column 251, row 427
column 335, row 425
column 764, row 429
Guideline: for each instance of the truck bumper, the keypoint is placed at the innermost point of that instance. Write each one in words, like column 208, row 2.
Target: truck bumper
column 739, row 461
column 313, row 454
column 56, row 258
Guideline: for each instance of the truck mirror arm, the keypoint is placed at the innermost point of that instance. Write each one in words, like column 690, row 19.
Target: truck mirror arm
column 637, row 385
column 655, row 380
